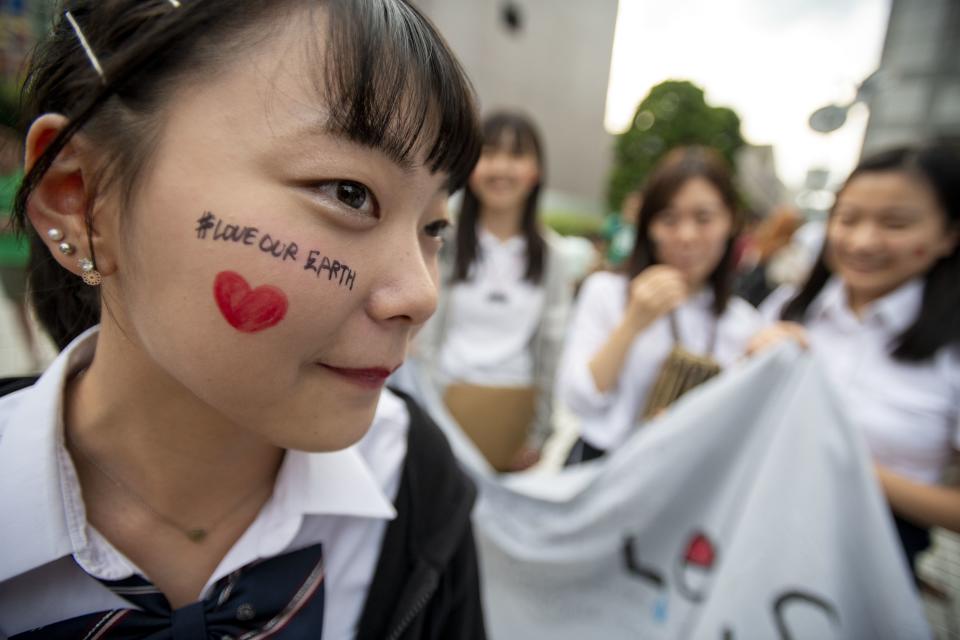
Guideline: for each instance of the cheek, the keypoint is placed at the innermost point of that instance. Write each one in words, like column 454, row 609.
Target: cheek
column 248, row 309
column 530, row 176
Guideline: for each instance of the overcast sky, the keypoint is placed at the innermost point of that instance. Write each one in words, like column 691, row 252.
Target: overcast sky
column 773, row 61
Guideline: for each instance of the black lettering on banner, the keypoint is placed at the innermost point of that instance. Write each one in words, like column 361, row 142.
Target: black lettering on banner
column 806, row 598
column 632, row 560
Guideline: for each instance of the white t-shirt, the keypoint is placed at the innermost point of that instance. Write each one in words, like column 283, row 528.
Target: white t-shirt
column 606, row 419
column 492, row 318
column 908, row 412
column 342, row 499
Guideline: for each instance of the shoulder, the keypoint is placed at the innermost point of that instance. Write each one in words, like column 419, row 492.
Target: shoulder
column 12, row 393
column 740, row 320
column 432, row 478
column 741, row 310
column 947, row 360
column 773, row 305
column 604, row 283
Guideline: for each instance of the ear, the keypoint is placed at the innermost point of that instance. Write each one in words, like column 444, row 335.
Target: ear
column 63, row 199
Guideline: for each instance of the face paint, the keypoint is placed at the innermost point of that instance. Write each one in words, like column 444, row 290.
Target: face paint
column 248, row 310
column 215, row 229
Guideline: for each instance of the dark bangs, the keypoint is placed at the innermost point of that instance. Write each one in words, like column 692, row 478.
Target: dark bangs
column 513, row 133
column 393, row 84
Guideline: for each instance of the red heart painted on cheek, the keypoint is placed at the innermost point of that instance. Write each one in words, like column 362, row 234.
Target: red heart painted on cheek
column 248, row 310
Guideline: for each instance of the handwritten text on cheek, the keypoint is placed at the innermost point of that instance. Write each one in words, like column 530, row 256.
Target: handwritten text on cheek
column 210, row 227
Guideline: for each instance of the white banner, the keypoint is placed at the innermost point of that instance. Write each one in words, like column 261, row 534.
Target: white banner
column 748, row 511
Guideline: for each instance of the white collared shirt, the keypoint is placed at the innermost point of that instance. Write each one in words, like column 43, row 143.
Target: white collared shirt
column 342, row 499
column 908, row 412
column 606, row 419
column 493, row 317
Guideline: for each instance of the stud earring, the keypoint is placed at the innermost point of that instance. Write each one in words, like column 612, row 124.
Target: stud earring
column 55, row 234
column 90, row 274
column 66, row 248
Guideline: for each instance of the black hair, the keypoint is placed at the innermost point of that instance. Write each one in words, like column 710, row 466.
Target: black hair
column 938, row 322
column 389, row 80
column 678, row 167
column 498, row 128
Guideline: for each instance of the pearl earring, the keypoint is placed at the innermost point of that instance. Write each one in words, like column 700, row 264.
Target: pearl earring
column 55, row 234
column 66, row 248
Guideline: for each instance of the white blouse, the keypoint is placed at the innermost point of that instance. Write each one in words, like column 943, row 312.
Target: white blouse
column 606, row 419
column 342, row 499
column 908, row 412
column 492, row 318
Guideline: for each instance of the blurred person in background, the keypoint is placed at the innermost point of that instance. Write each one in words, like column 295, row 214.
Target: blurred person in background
column 670, row 319
column 771, row 236
column 881, row 309
column 620, row 230
column 495, row 338
column 14, row 251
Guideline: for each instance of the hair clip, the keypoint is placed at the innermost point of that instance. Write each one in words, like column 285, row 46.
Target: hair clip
column 86, row 47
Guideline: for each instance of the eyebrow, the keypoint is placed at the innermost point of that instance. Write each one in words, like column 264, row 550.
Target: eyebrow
column 325, row 127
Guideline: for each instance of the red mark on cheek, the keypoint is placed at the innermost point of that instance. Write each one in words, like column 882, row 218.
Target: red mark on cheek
column 248, row 310
column 920, row 252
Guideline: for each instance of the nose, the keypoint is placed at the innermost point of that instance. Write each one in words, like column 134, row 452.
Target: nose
column 862, row 237
column 686, row 231
column 407, row 291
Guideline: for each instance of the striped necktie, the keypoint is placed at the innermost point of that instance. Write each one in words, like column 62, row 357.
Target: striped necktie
column 280, row 597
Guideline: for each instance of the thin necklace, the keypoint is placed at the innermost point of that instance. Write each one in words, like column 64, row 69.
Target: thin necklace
column 194, row 534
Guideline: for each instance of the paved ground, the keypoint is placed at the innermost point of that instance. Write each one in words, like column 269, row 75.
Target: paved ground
column 940, row 567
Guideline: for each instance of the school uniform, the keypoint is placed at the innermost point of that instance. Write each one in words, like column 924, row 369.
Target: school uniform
column 498, row 329
column 608, row 418
column 908, row 412
column 329, row 517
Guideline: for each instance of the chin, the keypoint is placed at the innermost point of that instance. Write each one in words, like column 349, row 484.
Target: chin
column 335, row 429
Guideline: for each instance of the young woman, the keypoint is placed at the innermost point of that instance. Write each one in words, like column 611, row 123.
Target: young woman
column 881, row 310
column 497, row 333
column 234, row 209
column 676, row 293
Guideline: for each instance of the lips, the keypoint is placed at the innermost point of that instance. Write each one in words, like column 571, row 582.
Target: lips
column 369, row 378
column 860, row 265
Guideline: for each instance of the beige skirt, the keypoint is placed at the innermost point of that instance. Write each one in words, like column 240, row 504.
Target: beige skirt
column 496, row 419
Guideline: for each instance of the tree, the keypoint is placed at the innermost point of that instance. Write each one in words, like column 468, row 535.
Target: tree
column 674, row 113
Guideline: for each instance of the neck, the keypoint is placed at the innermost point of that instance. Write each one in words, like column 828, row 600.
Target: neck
column 149, row 432
column 502, row 223
column 859, row 302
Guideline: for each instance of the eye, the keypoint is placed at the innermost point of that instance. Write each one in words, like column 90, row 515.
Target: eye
column 437, row 228
column 706, row 216
column 896, row 224
column 666, row 217
column 351, row 196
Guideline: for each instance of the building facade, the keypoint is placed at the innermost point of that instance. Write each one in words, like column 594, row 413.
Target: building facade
column 551, row 60
column 915, row 93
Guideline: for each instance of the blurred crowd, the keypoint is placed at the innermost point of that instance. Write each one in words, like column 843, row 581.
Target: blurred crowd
column 683, row 285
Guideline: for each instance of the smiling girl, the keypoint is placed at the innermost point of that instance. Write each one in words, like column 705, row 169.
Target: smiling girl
column 674, row 296
column 235, row 210
column 495, row 339
column 881, row 311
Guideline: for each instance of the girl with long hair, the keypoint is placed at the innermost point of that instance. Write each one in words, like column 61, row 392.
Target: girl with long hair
column 497, row 333
column 881, row 311
column 235, row 210
column 668, row 322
